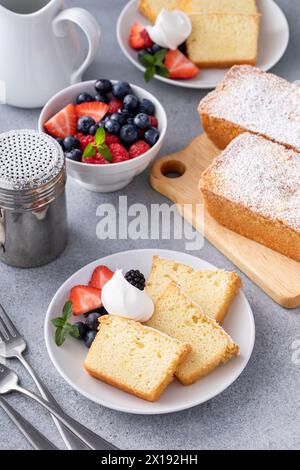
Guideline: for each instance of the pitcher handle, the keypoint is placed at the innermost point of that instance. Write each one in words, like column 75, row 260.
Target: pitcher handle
column 90, row 27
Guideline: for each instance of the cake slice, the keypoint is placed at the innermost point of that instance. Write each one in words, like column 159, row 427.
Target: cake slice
column 134, row 358
column 220, row 40
column 212, row 290
column 176, row 315
column 248, row 99
column 219, row 6
column 152, row 8
column 253, row 188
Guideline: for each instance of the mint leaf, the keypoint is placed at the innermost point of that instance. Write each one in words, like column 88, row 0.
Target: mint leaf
column 149, row 73
column 67, row 310
column 159, row 56
column 163, row 71
column 89, row 151
column 148, row 59
column 60, row 336
column 58, row 322
column 100, row 136
column 105, row 152
column 74, row 331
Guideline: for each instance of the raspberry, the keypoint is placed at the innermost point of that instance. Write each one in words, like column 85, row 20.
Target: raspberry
column 100, row 160
column 111, row 139
column 139, row 148
column 84, row 140
column 153, row 121
column 114, row 106
column 146, row 38
column 119, row 153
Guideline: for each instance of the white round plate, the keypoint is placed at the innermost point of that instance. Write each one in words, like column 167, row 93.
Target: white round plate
column 273, row 41
column 69, row 358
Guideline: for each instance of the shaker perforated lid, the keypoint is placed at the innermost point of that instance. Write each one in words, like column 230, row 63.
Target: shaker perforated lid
column 31, row 166
column 28, row 159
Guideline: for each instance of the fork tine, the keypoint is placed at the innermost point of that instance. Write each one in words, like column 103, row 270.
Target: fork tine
column 4, row 333
column 8, row 323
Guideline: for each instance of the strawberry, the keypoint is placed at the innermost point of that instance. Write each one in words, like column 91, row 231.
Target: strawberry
column 63, row 123
column 138, row 149
column 179, row 66
column 94, row 109
column 114, row 106
column 119, row 153
column 100, row 277
column 85, row 299
column 139, row 37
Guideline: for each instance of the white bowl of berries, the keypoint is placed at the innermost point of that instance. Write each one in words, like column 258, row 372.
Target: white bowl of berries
column 110, row 131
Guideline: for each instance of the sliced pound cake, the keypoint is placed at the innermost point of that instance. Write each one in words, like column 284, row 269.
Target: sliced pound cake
column 178, row 316
column 220, row 40
column 219, row 6
column 134, row 358
column 212, row 290
column 152, row 8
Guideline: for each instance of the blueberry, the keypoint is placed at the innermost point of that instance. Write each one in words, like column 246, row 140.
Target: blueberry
column 131, row 102
column 121, row 89
column 142, row 53
column 151, row 136
column 120, row 118
column 182, row 48
column 84, row 98
column 103, row 86
column 124, row 112
column 93, row 129
column 71, row 143
column 113, row 127
column 74, row 155
column 142, row 121
column 130, row 121
column 89, row 338
column 84, row 124
column 91, row 322
column 102, row 98
column 82, row 329
column 60, row 142
column 128, row 134
column 147, row 107
column 153, row 49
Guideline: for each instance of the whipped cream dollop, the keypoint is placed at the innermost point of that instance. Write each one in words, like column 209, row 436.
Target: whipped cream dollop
column 171, row 29
column 122, row 299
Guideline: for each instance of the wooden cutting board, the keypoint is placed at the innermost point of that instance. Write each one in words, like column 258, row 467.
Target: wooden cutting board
column 276, row 274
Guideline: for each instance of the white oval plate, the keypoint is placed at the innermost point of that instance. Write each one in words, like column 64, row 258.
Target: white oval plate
column 273, row 41
column 69, row 358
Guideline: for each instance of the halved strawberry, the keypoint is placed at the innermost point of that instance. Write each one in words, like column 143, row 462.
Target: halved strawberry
column 85, row 299
column 179, row 66
column 93, row 109
column 139, row 37
column 100, row 276
column 63, row 123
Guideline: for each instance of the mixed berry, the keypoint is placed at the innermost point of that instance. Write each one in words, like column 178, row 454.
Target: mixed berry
column 157, row 60
column 85, row 301
column 111, row 126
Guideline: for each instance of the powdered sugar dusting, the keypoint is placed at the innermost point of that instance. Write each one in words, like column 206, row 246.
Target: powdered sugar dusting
column 258, row 101
column 260, row 175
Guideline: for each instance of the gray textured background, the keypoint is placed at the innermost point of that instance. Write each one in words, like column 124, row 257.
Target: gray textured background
column 262, row 408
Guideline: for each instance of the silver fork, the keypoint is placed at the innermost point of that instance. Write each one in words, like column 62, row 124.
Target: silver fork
column 13, row 345
column 9, row 382
column 37, row 440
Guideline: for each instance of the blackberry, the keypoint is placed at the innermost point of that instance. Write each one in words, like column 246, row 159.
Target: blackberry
column 136, row 278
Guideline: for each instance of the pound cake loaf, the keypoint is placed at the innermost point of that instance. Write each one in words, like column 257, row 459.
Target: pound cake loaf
column 176, row 315
column 249, row 100
column 134, row 358
column 212, row 290
column 253, row 188
column 220, row 40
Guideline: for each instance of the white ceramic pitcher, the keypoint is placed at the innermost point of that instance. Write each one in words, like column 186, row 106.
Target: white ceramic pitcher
column 39, row 49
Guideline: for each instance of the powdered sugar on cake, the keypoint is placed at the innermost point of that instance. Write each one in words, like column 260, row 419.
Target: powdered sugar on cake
column 259, row 102
column 260, row 175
